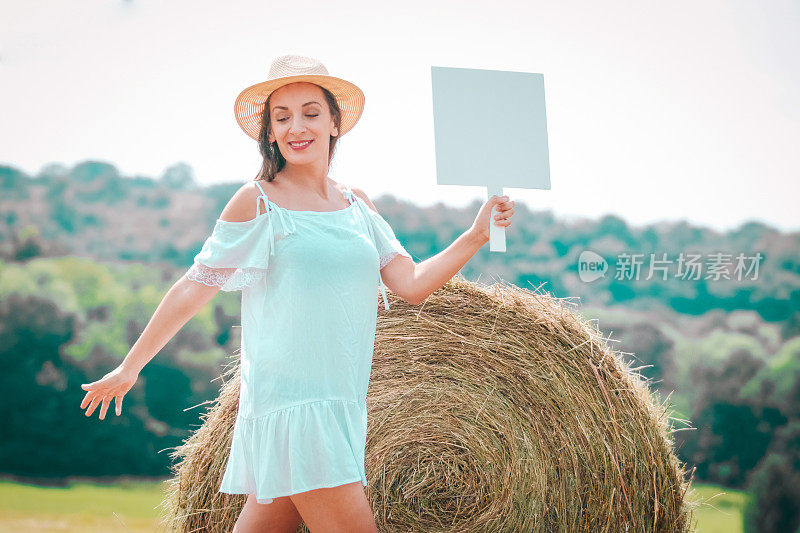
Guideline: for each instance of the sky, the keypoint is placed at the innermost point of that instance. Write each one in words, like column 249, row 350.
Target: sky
column 656, row 111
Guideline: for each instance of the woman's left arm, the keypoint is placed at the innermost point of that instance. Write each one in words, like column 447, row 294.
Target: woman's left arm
column 415, row 282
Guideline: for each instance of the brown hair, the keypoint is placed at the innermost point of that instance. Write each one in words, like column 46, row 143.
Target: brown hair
column 273, row 159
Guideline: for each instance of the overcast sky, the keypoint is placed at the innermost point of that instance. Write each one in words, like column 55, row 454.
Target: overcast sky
column 655, row 110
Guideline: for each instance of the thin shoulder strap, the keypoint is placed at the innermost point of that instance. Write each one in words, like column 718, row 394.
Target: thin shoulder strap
column 348, row 195
column 287, row 221
column 262, row 196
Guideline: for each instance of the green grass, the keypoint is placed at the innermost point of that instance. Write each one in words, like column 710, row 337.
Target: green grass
column 81, row 507
column 721, row 509
column 133, row 507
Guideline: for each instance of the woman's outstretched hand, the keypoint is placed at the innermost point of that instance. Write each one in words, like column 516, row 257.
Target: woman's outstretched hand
column 114, row 385
column 505, row 209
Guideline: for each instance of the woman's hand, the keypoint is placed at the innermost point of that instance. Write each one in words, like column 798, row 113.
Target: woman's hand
column 504, row 211
column 115, row 385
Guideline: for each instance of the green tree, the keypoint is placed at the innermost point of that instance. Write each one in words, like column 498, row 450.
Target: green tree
column 775, row 503
column 179, row 177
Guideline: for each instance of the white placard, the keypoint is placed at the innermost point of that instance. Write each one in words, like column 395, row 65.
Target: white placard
column 490, row 129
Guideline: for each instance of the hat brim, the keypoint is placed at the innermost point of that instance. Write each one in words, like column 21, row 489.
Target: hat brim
column 249, row 105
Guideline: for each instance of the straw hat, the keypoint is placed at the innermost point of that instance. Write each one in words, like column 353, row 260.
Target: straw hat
column 287, row 69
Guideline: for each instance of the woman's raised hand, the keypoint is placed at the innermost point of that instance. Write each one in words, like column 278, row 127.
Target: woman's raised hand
column 114, row 385
column 503, row 218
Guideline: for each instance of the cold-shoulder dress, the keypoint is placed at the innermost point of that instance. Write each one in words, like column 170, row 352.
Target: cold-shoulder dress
column 309, row 283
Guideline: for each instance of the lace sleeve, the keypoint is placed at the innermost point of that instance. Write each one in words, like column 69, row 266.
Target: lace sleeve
column 228, row 279
column 386, row 258
column 209, row 276
column 235, row 256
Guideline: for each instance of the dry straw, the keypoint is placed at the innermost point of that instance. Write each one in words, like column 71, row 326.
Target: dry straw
column 490, row 409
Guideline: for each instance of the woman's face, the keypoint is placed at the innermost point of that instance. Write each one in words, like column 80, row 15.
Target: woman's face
column 299, row 112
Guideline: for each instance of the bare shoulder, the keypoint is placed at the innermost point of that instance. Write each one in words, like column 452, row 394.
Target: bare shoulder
column 361, row 194
column 242, row 205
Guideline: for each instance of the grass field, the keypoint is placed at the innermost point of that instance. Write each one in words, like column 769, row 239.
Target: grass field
column 84, row 507
column 721, row 511
column 81, row 507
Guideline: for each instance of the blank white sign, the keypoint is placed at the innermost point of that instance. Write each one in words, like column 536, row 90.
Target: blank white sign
column 490, row 128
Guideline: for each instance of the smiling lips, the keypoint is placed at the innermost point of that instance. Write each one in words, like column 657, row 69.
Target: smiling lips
column 299, row 145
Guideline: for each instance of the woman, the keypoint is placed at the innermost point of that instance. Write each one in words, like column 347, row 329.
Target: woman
column 307, row 254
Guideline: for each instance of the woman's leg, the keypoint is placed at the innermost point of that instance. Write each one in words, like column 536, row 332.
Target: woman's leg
column 336, row 509
column 280, row 516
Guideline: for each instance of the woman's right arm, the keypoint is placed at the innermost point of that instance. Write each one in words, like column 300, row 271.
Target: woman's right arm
column 186, row 297
column 181, row 302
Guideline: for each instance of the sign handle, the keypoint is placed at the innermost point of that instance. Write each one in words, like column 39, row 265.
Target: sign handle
column 497, row 234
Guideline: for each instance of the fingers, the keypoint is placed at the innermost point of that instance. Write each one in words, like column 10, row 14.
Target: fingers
column 104, row 408
column 506, row 212
column 93, row 405
column 104, row 405
column 86, row 399
column 102, row 392
column 92, row 399
column 502, row 202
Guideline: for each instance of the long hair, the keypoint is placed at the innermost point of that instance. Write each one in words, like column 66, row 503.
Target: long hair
column 273, row 160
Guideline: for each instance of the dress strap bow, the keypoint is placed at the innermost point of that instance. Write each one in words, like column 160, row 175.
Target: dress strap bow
column 287, row 222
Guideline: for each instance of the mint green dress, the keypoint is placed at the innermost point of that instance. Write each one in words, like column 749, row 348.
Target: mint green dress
column 309, row 283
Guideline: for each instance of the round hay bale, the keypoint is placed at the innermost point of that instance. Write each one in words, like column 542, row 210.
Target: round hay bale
column 489, row 409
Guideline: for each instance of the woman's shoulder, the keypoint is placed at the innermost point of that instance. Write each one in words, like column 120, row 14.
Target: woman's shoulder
column 242, row 207
column 361, row 194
